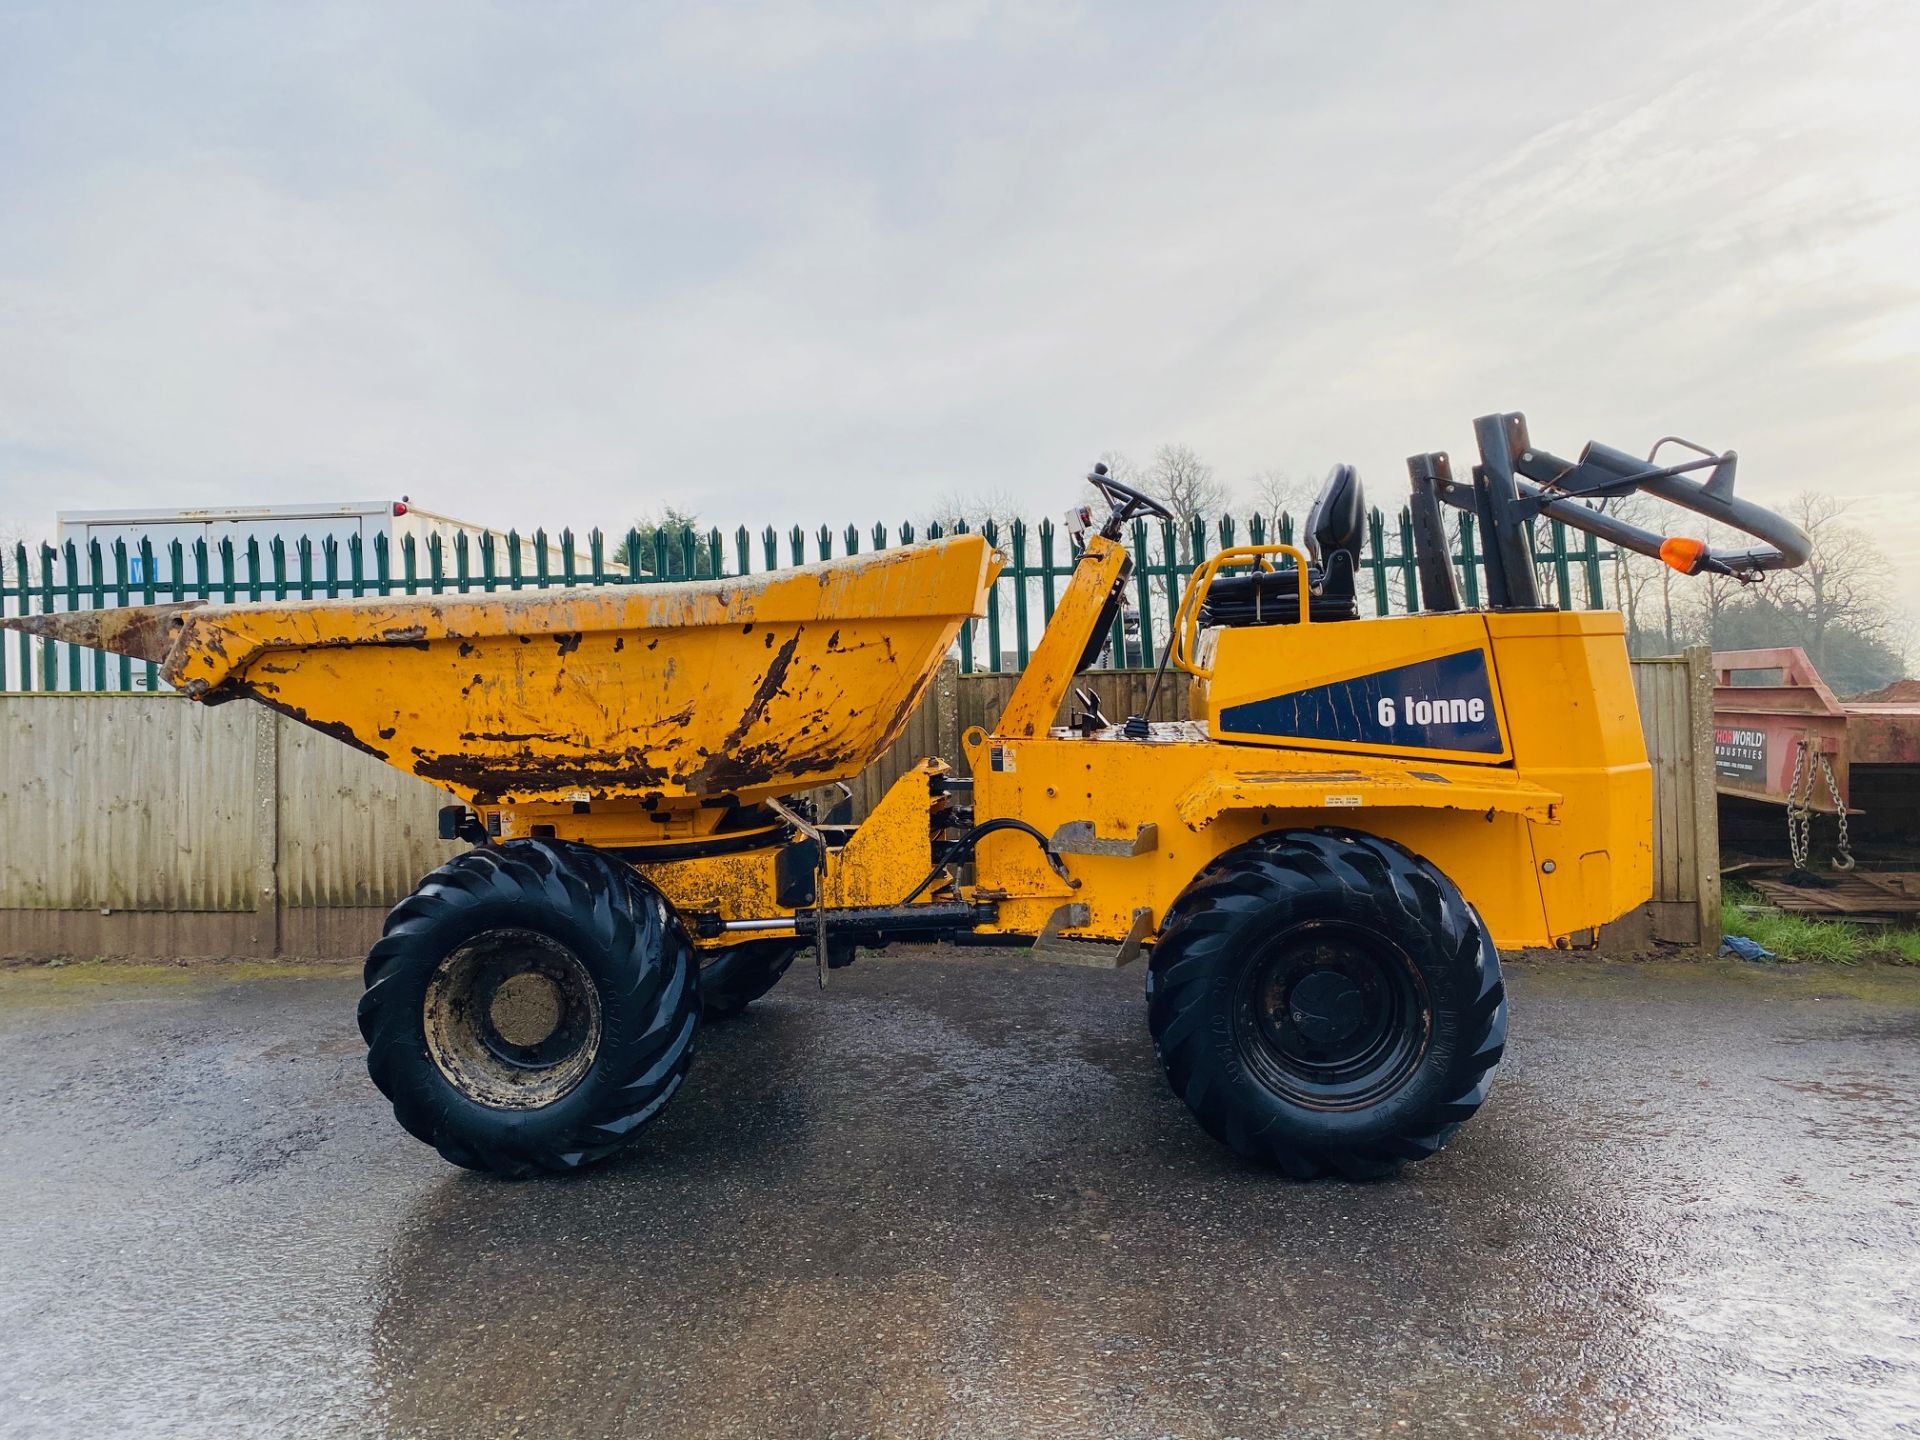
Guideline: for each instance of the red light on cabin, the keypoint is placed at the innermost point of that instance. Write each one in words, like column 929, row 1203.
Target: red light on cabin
column 399, row 507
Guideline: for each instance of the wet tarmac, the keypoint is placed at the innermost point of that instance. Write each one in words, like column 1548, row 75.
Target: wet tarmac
column 954, row 1198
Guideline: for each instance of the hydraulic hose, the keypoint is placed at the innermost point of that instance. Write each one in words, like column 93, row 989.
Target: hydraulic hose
column 972, row 836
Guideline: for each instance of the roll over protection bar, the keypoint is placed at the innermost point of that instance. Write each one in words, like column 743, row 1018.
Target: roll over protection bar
column 1515, row 482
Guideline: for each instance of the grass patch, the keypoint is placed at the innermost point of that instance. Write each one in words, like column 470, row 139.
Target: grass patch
column 1803, row 939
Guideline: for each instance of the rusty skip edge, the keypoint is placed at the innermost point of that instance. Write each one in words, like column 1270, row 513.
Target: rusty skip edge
column 154, row 633
column 141, row 632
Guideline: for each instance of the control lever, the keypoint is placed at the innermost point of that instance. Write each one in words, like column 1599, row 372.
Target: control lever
column 1088, row 718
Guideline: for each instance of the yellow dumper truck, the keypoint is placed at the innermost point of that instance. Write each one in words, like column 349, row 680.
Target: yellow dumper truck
column 1318, row 865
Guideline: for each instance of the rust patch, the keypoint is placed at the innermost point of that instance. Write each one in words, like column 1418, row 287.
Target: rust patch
column 568, row 642
column 467, row 648
column 387, row 732
column 526, row 773
column 619, row 643
column 143, row 632
column 741, row 767
column 769, row 686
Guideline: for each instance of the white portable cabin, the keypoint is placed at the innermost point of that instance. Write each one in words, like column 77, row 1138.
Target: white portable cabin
column 341, row 520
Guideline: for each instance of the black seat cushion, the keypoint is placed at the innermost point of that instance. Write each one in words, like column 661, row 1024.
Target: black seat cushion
column 1272, row 597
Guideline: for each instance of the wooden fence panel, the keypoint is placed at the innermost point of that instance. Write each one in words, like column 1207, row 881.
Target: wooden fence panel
column 353, row 831
column 1675, row 694
column 126, row 802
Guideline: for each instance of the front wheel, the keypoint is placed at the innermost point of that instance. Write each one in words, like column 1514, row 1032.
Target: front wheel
column 1325, row 1000
column 530, row 1007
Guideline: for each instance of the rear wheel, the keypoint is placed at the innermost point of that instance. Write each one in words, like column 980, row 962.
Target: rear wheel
column 1326, row 1001
column 733, row 978
column 530, row 1007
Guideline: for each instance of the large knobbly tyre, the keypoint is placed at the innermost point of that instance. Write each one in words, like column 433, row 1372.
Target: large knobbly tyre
column 1325, row 1000
column 733, row 978
column 530, row 1007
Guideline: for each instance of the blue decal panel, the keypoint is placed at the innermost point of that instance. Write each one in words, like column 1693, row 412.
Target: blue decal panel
column 1443, row 704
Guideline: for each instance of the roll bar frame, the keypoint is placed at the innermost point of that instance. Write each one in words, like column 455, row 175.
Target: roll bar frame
column 1516, row 482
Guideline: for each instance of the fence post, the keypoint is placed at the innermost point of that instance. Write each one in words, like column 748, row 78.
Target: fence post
column 70, row 558
column 1142, row 599
column 97, row 567
column 1706, row 798
column 1562, row 580
column 1469, row 562
column 1046, row 571
column 1017, row 536
column 1409, row 570
column 1590, row 561
column 120, row 586
column 946, row 702
column 49, row 657
column 1377, row 538
column 991, row 531
column 266, row 832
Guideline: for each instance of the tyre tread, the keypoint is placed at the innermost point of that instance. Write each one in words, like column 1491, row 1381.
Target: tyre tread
column 1203, row 924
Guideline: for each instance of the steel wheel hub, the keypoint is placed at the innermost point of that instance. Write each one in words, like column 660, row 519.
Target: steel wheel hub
column 512, row 1019
column 1331, row 1016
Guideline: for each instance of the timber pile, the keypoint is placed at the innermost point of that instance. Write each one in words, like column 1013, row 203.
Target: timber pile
column 1861, row 895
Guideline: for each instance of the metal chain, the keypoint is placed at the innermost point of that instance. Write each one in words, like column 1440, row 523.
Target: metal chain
column 1800, row 809
column 1799, row 812
column 1842, row 853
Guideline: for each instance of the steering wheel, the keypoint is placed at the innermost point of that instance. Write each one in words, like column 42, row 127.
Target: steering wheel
column 1127, row 502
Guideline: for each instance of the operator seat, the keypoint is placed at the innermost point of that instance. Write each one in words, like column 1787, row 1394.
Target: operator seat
column 1335, row 530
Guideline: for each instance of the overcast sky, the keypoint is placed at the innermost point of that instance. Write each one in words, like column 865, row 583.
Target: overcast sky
column 572, row 263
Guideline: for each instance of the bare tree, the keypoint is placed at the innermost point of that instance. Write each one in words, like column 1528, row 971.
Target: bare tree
column 1121, row 467
column 974, row 507
column 14, row 533
column 1844, row 583
column 1277, row 492
column 1710, row 598
column 1185, row 483
column 1633, row 574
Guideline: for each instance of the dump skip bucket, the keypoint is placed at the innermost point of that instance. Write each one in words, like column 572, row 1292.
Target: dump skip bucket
column 679, row 694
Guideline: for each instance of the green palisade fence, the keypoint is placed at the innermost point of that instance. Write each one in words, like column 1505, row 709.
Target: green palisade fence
column 1039, row 560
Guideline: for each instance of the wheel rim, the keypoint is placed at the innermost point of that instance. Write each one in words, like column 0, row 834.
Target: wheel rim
column 1331, row 1016
column 512, row 1019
